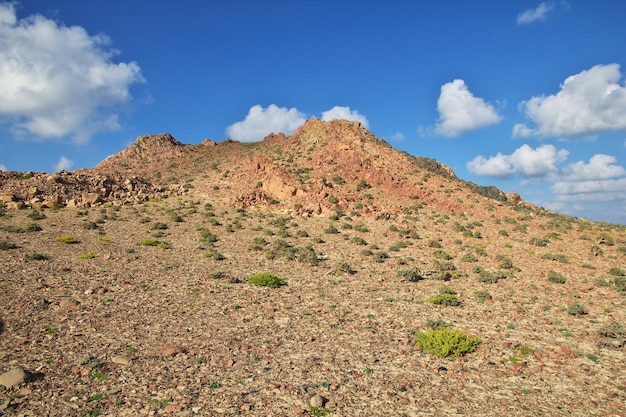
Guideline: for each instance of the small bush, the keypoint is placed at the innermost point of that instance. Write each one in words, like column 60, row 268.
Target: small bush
column 4, row 245
column 445, row 299
column 87, row 256
column 155, row 242
column 555, row 257
column 67, row 239
column 469, row 257
column 537, row 241
column 618, row 272
column 437, row 324
column 576, row 309
column 613, row 330
column 446, row 342
column 36, row 256
column 265, row 279
column 482, row 295
column 331, row 230
column 556, row 278
column 412, row 274
column 158, row 226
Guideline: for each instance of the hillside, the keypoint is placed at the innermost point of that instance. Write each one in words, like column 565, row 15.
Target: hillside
column 125, row 287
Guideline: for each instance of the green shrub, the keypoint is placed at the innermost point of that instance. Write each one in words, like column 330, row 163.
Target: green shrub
column 446, row 342
column 555, row 257
column 437, row 324
column 4, row 245
column 537, row 241
column 469, row 257
column 445, row 299
column 556, row 278
column 412, row 274
column 613, row 330
column 576, row 309
column 482, row 295
column 618, row 272
column 67, row 239
column 265, row 279
column 362, row 185
column 155, row 242
column 87, row 256
column 158, row 226
column 331, row 230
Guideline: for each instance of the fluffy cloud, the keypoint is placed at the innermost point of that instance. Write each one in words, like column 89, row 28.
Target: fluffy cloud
column 57, row 81
column 588, row 102
column 260, row 122
column 600, row 167
column 460, row 111
column 533, row 15
column 2, row 167
column 600, row 179
column 339, row 112
column 525, row 160
column 398, row 137
column 63, row 164
column 498, row 166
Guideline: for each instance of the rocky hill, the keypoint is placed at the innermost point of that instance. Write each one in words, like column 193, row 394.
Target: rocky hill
column 322, row 273
column 319, row 163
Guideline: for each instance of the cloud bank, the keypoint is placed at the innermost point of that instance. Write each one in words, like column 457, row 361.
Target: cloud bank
column 589, row 102
column 534, row 15
column 525, row 161
column 260, row 121
column 339, row 112
column 460, row 111
column 58, row 81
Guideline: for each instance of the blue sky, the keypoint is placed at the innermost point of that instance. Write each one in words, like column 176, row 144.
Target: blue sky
column 529, row 96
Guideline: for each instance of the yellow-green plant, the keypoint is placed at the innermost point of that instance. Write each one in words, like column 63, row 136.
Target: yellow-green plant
column 446, row 342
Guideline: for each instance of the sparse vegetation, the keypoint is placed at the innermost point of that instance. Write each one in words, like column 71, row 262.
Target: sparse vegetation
column 265, row 279
column 444, row 342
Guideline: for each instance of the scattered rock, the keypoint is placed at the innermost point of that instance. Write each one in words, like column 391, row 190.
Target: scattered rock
column 317, row 401
column 15, row 377
column 170, row 350
column 121, row 360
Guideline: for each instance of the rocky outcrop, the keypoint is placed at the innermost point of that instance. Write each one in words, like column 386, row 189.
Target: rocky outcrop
column 75, row 189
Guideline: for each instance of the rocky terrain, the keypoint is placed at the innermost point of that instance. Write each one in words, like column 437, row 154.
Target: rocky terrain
column 125, row 288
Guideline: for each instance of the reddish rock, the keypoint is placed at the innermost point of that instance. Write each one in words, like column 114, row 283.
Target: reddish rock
column 170, row 350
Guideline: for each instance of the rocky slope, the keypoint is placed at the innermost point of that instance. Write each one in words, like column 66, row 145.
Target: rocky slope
column 124, row 289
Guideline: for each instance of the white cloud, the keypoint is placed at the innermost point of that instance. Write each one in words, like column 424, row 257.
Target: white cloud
column 57, row 81
column 398, row 137
column 588, row 102
column 339, row 112
column 261, row 122
column 460, row 111
column 599, row 180
column 525, row 160
column 537, row 162
column 533, row 15
column 63, row 164
column 600, row 190
column 498, row 166
column 2, row 167
column 600, row 167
